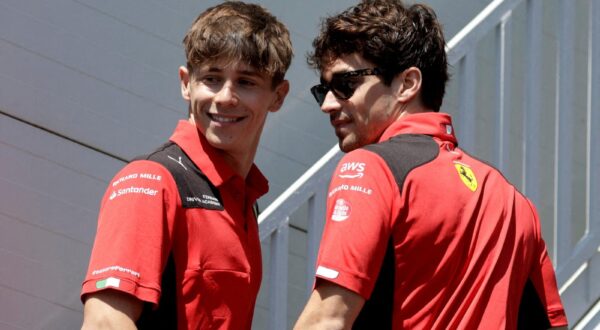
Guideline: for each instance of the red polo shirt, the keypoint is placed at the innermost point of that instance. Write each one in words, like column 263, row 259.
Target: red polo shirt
column 463, row 243
column 211, row 234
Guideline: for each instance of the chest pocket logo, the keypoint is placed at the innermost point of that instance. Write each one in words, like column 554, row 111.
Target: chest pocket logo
column 466, row 176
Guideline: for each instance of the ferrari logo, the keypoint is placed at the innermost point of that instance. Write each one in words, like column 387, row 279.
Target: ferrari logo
column 467, row 176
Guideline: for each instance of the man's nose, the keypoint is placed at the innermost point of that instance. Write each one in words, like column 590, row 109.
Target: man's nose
column 330, row 103
column 226, row 95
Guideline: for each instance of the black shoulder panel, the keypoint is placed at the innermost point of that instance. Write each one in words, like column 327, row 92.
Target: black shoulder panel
column 402, row 154
column 377, row 313
column 405, row 152
column 532, row 314
column 165, row 315
column 195, row 189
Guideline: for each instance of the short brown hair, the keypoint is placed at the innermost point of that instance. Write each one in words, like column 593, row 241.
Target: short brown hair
column 391, row 36
column 235, row 31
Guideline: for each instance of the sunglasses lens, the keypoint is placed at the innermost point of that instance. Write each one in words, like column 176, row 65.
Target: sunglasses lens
column 342, row 84
column 319, row 92
column 342, row 88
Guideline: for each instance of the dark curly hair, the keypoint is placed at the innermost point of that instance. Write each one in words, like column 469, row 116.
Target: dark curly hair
column 235, row 31
column 391, row 36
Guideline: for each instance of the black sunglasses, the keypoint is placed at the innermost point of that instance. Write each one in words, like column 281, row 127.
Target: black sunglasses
column 341, row 84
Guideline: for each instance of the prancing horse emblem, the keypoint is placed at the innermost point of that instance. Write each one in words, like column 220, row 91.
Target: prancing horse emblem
column 467, row 176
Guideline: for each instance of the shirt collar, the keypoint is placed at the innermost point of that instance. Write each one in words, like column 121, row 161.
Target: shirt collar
column 208, row 160
column 435, row 124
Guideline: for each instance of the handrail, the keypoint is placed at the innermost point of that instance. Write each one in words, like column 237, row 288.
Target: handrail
column 492, row 15
column 298, row 193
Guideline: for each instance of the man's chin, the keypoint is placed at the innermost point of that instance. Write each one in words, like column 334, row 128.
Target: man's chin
column 346, row 146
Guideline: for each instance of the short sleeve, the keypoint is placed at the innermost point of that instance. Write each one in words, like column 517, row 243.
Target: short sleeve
column 358, row 222
column 133, row 238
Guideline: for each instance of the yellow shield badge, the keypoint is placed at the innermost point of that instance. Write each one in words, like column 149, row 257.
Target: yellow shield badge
column 467, row 176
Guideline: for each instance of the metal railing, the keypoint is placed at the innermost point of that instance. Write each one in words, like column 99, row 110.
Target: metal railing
column 569, row 258
column 310, row 188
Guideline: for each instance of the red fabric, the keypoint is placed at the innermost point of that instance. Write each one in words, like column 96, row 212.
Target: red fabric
column 462, row 256
column 216, row 253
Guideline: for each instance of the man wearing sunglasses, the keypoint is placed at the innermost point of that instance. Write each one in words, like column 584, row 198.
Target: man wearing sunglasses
column 418, row 233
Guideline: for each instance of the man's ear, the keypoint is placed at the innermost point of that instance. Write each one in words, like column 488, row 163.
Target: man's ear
column 408, row 84
column 281, row 92
column 184, row 78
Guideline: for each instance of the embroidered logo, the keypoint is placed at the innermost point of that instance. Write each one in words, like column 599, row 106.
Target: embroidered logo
column 204, row 201
column 132, row 190
column 466, row 176
column 341, row 210
column 108, row 282
column 178, row 161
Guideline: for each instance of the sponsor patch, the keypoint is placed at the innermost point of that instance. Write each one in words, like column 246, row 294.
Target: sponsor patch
column 341, row 210
column 150, row 176
column 133, row 190
column 338, row 188
column 327, row 272
column 108, row 282
column 466, row 176
column 147, row 176
column 204, row 200
column 116, row 268
column 124, row 178
column 345, row 187
column 352, row 170
column 360, row 189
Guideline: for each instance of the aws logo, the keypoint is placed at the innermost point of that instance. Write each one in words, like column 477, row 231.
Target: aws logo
column 352, row 170
column 466, row 176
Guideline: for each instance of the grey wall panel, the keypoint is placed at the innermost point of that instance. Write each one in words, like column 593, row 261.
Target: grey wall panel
column 307, row 147
column 54, row 262
column 78, row 106
column 50, row 190
column 103, row 88
column 99, row 45
column 162, row 19
column 22, row 311
column 280, row 169
column 306, row 116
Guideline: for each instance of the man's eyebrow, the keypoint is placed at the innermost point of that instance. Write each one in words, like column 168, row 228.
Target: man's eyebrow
column 255, row 73
column 214, row 69
column 245, row 72
column 334, row 74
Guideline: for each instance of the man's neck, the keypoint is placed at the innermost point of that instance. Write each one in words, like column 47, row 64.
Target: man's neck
column 240, row 164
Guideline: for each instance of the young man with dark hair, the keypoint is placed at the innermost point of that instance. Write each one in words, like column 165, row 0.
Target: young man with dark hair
column 419, row 234
column 177, row 245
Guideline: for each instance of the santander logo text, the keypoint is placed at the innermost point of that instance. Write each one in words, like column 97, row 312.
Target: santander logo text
column 352, row 170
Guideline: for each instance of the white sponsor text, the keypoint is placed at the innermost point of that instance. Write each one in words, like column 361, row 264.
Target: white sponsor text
column 118, row 269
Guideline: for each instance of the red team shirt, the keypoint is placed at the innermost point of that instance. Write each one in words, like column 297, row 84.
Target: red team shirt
column 463, row 242
column 210, row 234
